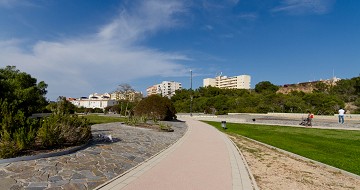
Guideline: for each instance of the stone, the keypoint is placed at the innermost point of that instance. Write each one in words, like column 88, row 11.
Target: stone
column 7, row 183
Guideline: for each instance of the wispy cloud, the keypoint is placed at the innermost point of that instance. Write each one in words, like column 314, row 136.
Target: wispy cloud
column 15, row 3
column 146, row 18
column 248, row 16
column 299, row 7
column 74, row 66
column 208, row 27
column 7, row 3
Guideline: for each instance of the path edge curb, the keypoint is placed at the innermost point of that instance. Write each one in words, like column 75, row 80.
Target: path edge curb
column 44, row 155
column 253, row 181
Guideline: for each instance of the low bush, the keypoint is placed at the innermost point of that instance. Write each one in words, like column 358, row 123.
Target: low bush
column 59, row 130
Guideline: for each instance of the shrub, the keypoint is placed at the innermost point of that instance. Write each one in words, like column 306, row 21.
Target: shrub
column 8, row 147
column 17, row 133
column 58, row 129
column 156, row 108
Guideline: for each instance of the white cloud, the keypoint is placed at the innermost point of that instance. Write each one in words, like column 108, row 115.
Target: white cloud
column 147, row 18
column 248, row 16
column 7, row 3
column 99, row 61
column 14, row 3
column 299, row 7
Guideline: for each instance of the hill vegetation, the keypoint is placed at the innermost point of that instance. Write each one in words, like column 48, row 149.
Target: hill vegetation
column 324, row 99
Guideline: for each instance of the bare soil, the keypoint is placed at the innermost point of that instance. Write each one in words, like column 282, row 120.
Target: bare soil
column 277, row 170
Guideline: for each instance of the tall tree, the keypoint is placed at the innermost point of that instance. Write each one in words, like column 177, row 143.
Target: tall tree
column 266, row 86
column 127, row 92
column 22, row 91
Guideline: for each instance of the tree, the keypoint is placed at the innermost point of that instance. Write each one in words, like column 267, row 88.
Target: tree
column 20, row 97
column 346, row 90
column 266, row 86
column 127, row 92
column 156, row 107
column 321, row 87
column 62, row 106
column 21, row 91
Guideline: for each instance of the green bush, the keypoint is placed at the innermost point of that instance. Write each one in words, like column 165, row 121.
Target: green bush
column 50, row 130
column 8, row 147
column 63, row 129
column 20, row 97
column 156, row 108
column 24, row 137
column 17, row 132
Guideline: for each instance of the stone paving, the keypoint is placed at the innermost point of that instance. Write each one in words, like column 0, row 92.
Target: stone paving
column 94, row 165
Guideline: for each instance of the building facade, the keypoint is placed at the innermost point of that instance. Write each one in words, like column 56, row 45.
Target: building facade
column 93, row 102
column 165, row 89
column 131, row 96
column 102, row 101
column 236, row 82
column 152, row 90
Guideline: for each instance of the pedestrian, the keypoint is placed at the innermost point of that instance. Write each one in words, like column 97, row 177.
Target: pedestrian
column 309, row 118
column 341, row 115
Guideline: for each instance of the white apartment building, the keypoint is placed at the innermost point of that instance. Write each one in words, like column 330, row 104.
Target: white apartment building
column 165, row 89
column 236, row 82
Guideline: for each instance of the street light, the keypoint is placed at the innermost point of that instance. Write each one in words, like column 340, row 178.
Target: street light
column 191, row 96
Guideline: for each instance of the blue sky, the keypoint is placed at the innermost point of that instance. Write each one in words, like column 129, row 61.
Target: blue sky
column 86, row 46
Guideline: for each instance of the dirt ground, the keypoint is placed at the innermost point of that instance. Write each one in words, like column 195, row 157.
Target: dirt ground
column 276, row 170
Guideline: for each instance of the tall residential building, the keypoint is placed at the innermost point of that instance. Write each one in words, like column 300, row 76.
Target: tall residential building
column 236, row 82
column 165, row 89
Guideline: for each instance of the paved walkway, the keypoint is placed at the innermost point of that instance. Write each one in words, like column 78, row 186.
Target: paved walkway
column 92, row 166
column 203, row 159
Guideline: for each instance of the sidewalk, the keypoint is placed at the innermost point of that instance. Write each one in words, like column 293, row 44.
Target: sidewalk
column 203, row 159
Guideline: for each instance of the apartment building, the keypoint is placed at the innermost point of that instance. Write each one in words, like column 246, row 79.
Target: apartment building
column 152, row 90
column 165, row 89
column 236, row 82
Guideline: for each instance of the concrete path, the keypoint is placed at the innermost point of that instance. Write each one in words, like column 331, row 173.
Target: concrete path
column 203, row 159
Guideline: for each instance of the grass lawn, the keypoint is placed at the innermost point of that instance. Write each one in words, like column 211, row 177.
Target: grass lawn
column 97, row 119
column 338, row 148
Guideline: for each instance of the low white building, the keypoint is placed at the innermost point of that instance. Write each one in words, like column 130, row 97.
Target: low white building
column 94, row 101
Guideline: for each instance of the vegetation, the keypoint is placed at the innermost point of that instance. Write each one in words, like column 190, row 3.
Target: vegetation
column 338, row 148
column 156, row 108
column 97, row 119
column 20, row 97
column 323, row 100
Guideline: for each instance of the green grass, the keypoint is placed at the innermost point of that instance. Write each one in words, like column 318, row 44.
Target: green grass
column 338, row 148
column 97, row 119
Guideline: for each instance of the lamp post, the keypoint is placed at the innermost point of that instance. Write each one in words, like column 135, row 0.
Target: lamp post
column 191, row 95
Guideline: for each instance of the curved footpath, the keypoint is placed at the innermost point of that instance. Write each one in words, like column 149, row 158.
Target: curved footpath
column 203, row 159
column 91, row 166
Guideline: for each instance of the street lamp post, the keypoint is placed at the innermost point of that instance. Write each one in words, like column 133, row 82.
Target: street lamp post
column 191, row 95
